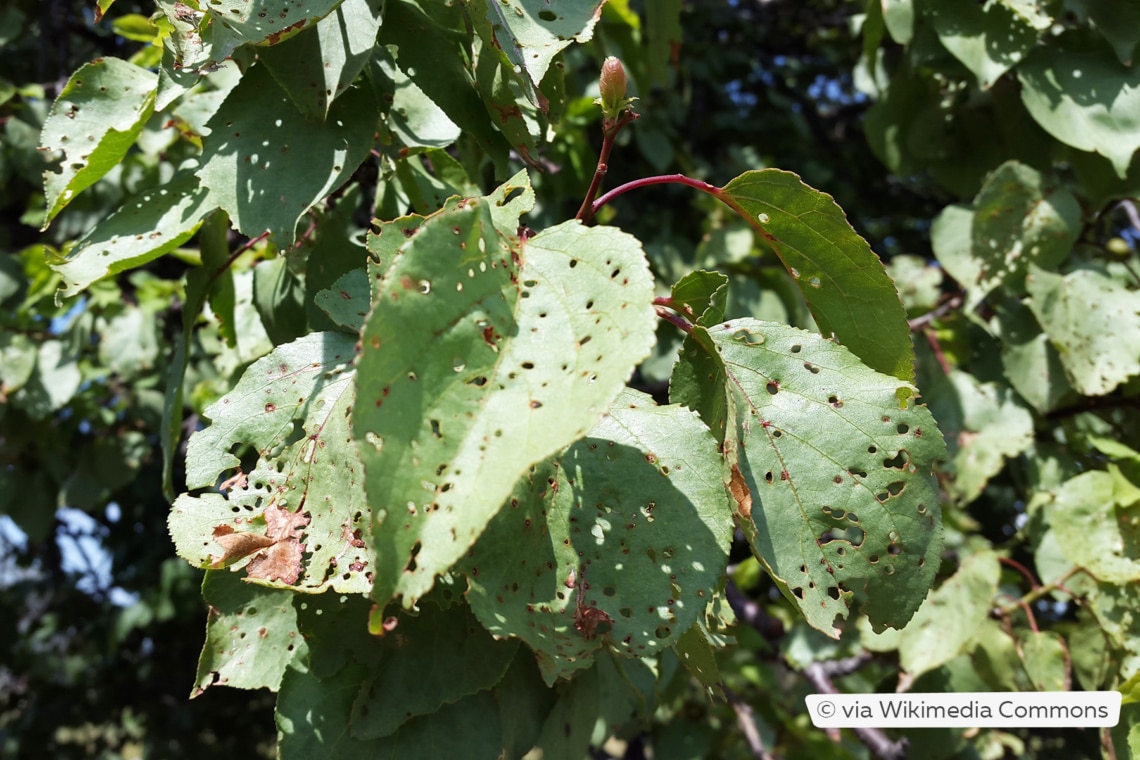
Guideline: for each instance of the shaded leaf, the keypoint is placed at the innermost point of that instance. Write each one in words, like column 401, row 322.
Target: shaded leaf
column 1093, row 322
column 1045, row 658
column 1084, row 98
column 844, row 283
column 92, row 123
column 430, row 660
column 621, row 539
column 348, row 301
column 988, row 39
column 475, row 365
column 239, row 22
column 701, row 296
column 1018, row 222
column 950, row 618
column 837, row 461
column 267, row 172
column 317, row 65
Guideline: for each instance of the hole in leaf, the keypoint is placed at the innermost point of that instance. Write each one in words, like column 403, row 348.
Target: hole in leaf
column 435, row 429
column 796, row 348
column 609, row 591
column 896, row 488
column 903, row 428
column 872, row 449
column 898, row 461
column 799, row 592
column 894, row 550
column 811, row 368
column 662, row 631
column 833, row 592
column 626, row 612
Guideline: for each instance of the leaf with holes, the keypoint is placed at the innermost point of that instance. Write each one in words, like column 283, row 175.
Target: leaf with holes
column 316, row 66
column 701, row 296
column 1093, row 321
column 529, row 33
column 1094, row 532
column 989, row 40
column 836, row 458
column 950, row 618
column 484, row 354
column 844, row 283
column 251, row 635
column 1019, row 221
column 305, row 492
column 621, row 539
column 1084, row 98
column 233, row 23
column 267, row 172
column 155, row 222
column 347, row 302
column 92, row 124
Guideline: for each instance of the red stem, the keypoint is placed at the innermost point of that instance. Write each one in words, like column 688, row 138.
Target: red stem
column 610, row 132
column 674, row 319
column 663, row 179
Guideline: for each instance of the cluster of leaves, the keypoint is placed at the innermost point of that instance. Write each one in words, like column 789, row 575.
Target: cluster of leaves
column 425, row 489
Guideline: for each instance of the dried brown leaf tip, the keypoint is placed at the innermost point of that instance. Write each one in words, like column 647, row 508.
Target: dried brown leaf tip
column 236, row 545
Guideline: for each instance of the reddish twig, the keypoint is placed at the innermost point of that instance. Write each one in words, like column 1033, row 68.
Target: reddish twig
column 610, row 132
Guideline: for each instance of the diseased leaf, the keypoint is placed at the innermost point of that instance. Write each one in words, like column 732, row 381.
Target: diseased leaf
column 292, row 409
column 529, row 33
column 92, row 123
column 1093, row 532
column 317, row 65
column 949, row 619
column 239, row 22
column 995, row 427
column 1084, row 98
column 483, row 355
column 433, row 659
column 251, row 635
column 836, row 458
column 1093, row 322
column 348, row 301
column 1018, row 222
column 844, row 283
column 621, row 539
column 267, row 172
column 988, row 39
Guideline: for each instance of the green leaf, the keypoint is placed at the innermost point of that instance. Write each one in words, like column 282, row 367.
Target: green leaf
column 1119, row 22
column 92, row 124
column 995, row 427
column 239, row 22
column 1093, row 532
column 634, row 517
column 251, row 635
column 431, row 50
column 445, row 656
column 698, row 656
column 1084, row 98
column 129, row 343
column 1045, row 656
column 17, row 361
column 701, row 296
column 1031, row 362
column 845, row 285
column 292, row 408
column 989, row 39
column 348, row 301
column 413, row 116
column 951, row 237
column 1094, row 324
column 1018, row 222
column 267, row 172
column 950, row 618
column 531, row 32
column 482, row 356
column 831, row 466
column 52, row 384
column 569, row 726
column 279, row 297
column 664, row 36
column 313, row 721
column 155, row 222
column 316, row 66
column 898, row 17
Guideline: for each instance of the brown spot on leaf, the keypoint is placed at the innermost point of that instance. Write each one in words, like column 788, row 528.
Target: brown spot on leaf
column 738, row 487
